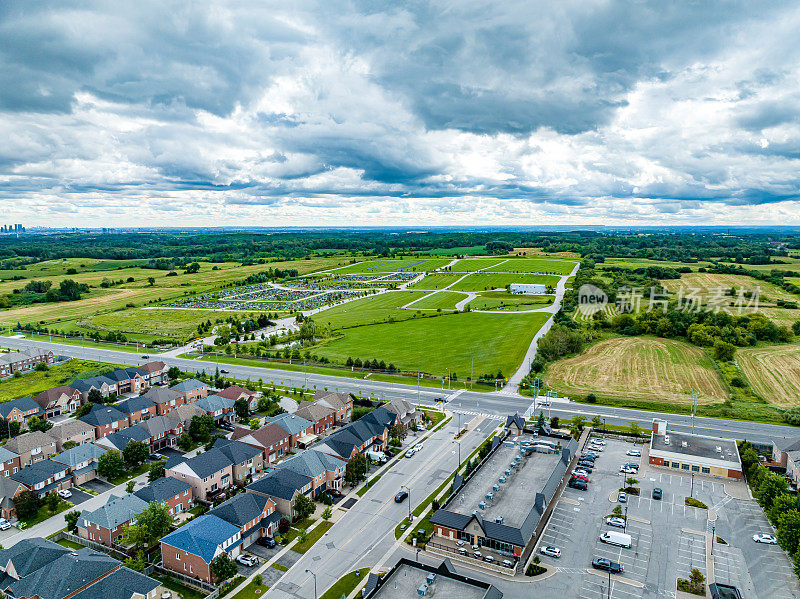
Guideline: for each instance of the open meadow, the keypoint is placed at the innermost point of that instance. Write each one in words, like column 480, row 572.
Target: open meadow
column 441, row 300
column 369, row 310
column 773, row 372
column 419, row 264
column 641, row 368
column 500, row 300
column 540, row 265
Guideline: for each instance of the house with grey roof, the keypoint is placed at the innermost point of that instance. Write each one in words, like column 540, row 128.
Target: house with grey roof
column 786, row 452
column 406, row 412
column 101, row 383
column 300, row 430
column 137, row 408
column 177, row 494
column 59, row 400
column 208, row 472
column 368, row 432
column 247, row 460
column 165, row 399
column 122, row 583
column 341, row 402
column 31, row 447
column 82, row 461
column 71, row 430
column 282, row 486
column 105, row 420
column 9, row 462
column 155, row 372
column 163, row 431
column 128, row 380
column 218, row 407
column 24, row 360
column 191, row 390
column 255, row 515
column 120, row 439
column 44, row 476
column 9, row 488
column 325, row 471
column 107, row 523
column 271, row 439
column 20, row 410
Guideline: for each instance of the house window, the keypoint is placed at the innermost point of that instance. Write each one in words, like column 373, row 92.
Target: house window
column 685, row 466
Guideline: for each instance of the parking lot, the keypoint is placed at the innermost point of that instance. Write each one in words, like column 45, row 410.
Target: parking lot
column 668, row 538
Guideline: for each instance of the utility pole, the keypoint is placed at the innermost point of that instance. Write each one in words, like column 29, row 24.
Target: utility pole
column 472, row 373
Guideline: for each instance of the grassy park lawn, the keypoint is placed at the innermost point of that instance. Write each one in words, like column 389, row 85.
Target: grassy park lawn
column 639, row 368
column 419, row 264
column 773, row 372
column 369, row 310
column 475, row 264
column 494, row 341
column 437, row 281
column 441, row 300
column 543, row 265
column 34, row 382
column 500, row 300
column 485, row 281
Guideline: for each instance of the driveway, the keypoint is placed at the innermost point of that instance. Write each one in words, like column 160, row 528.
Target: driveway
column 263, row 553
column 98, row 485
column 78, row 496
column 171, row 452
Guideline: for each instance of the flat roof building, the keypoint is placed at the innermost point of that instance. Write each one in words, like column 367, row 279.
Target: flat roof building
column 691, row 453
column 409, row 579
column 527, row 288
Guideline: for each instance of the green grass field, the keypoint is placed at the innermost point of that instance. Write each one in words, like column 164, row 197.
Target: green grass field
column 441, row 300
column 464, row 250
column 494, row 341
column 437, row 281
column 35, row 382
column 420, row 264
column 535, row 265
column 369, row 310
column 473, row 264
column 644, row 262
column 176, row 324
column 498, row 300
column 483, row 281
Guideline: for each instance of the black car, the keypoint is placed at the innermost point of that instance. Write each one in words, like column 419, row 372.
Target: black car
column 223, row 371
column 388, row 453
column 588, row 463
column 601, row 563
column 587, row 467
column 579, row 484
column 657, row 493
column 145, row 357
column 226, row 426
column 401, row 497
column 266, row 542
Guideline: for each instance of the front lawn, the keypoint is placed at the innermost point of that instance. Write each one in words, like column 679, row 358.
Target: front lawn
column 129, row 474
column 252, row 591
column 44, row 513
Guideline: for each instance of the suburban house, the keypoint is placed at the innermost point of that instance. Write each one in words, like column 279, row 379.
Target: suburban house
column 406, row 412
column 324, row 471
column 155, row 373
column 75, row 431
column 165, row 399
column 105, row 420
column 59, row 400
column 82, row 462
column 300, row 430
column 219, row 408
column 23, row 360
column 271, row 439
column 190, row 549
column 120, row 439
column 31, row 447
column 191, row 390
column 20, row 410
column 137, row 408
column 107, row 523
column 44, row 476
column 9, row 488
column 254, row 515
column 235, row 392
column 786, row 452
column 368, row 432
column 341, row 402
column 283, row 487
column 128, row 380
column 207, row 473
column 9, row 462
column 247, row 460
column 186, row 412
column 42, row 569
column 323, row 417
column 102, row 384
column 177, row 494
column 163, row 431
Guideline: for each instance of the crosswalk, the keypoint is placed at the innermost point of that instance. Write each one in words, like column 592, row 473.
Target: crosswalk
column 476, row 413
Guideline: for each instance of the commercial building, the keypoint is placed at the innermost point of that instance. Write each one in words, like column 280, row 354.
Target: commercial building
column 411, row 579
column 698, row 454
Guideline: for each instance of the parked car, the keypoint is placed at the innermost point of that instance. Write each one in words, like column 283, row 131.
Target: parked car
column 550, row 550
column 588, row 468
column 765, row 538
column 388, row 453
column 657, row 493
column 247, row 560
column 622, row 497
column 145, row 357
column 616, row 521
column 577, row 476
column 629, row 470
column 598, row 440
column 634, row 452
column 601, row 563
column 401, row 497
column 65, row 493
column 156, row 456
column 334, row 492
column 266, row 542
column 633, row 465
column 581, row 471
column 4, row 524
column 226, row 426
column 410, row 453
column 508, row 563
column 579, row 484
column 594, row 447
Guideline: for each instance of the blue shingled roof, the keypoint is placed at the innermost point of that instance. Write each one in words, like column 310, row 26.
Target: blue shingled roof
column 202, row 536
column 23, row 404
column 291, row 423
column 188, row 385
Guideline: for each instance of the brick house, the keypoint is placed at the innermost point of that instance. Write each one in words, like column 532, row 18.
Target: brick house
column 322, row 416
column 128, row 380
column 82, row 462
column 299, row 429
column 102, row 384
column 137, row 408
column 9, row 462
column 271, row 439
column 23, row 360
column 163, row 431
column 207, row 473
column 368, row 432
column 119, row 440
column 408, row 414
column 235, row 392
column 177, row 494
column 283, row 487
column 324, row 471
column 341, row 402
column 219, row 408
column 59, row 400
column 786, row 452
column 155, row 373
column 255, row 515
column 9, row 489
column 105, row 420
column 190, row 549
column 165, row 399
column 191, row 390
column 107, row 523
column 20, row 410
column 76, row 431
column 247, row 460
column 31, row 447
column 44, row 476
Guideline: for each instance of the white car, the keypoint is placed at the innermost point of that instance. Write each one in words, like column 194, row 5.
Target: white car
column 622, row 497
column 629, row 470
column 595, row 448
column 247, row 560
column 550, row 550
column 637, row 453
column 4, row 524
column 65, row 493
column 616, row 521
column 766, row 539
column 598, row 440
column 410, row 453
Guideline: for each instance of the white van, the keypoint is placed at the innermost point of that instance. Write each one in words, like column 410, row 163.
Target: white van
column 620, row 539
column 376, row 456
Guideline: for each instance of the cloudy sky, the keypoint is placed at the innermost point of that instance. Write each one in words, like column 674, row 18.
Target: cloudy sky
column 365, row 112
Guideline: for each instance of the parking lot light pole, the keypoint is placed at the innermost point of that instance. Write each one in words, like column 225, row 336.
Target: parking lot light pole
column 315, row 581
column 609, row 581
column 625, row 527
column 691, row 491
column 713, row 537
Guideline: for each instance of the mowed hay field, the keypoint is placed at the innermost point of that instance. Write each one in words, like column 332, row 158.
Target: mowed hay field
column 707, row 285
column 773, row 372
column 641, row 368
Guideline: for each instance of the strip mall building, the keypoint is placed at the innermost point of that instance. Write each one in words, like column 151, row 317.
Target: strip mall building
column 691, row 453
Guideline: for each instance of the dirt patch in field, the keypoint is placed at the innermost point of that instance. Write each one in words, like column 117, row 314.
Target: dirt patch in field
column 641, row 368
column 773, row 372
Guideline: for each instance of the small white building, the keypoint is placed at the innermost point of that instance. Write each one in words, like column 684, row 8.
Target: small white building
column 527, row 288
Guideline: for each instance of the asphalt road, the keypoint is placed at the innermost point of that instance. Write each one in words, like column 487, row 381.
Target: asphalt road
column 468, row 402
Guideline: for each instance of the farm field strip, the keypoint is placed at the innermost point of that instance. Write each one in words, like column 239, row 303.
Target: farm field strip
column 773, row 372
column 641, row 368
column 708, row 285
column 508, row 302
column 437, row 281
column 388, row 266
column 633, row 263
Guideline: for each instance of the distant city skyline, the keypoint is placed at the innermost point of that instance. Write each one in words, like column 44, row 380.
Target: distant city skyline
column 364, row 114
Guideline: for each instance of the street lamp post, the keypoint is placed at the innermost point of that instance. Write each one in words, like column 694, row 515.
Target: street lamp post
column 625, row 527
column 315, row 581
column 409, row 502
column 459, row 453
column 609, row 581
column 691, row 491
